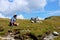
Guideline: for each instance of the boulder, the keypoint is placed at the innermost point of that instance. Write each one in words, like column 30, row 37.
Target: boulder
column 55, row 33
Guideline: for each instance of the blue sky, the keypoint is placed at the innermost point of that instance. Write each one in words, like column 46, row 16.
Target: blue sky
column 29, row 8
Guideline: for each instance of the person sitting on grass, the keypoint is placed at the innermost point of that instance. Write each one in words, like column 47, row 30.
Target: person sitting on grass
column 13, row 21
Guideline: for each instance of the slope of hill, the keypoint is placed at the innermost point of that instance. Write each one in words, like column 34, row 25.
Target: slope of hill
column 50, row 24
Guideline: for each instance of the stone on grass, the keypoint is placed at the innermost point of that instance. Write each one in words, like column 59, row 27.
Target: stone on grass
column 55, row 33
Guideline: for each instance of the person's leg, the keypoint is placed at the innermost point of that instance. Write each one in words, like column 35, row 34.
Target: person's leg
column 11, row 24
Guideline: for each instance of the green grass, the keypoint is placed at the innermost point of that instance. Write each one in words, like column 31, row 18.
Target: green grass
column 51, row 24
column 58, row 38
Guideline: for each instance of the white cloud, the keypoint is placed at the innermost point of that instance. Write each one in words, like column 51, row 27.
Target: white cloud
column 20, row 17
column 54, row 12
column 37, row 4
column 40, row 18
column 2, row 16
column 7, row 6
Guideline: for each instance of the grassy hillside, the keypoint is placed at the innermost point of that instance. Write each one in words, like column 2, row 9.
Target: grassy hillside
column 50, row 24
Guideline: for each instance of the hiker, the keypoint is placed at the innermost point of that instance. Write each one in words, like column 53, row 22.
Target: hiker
column 32, row 20
column 13, row 21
